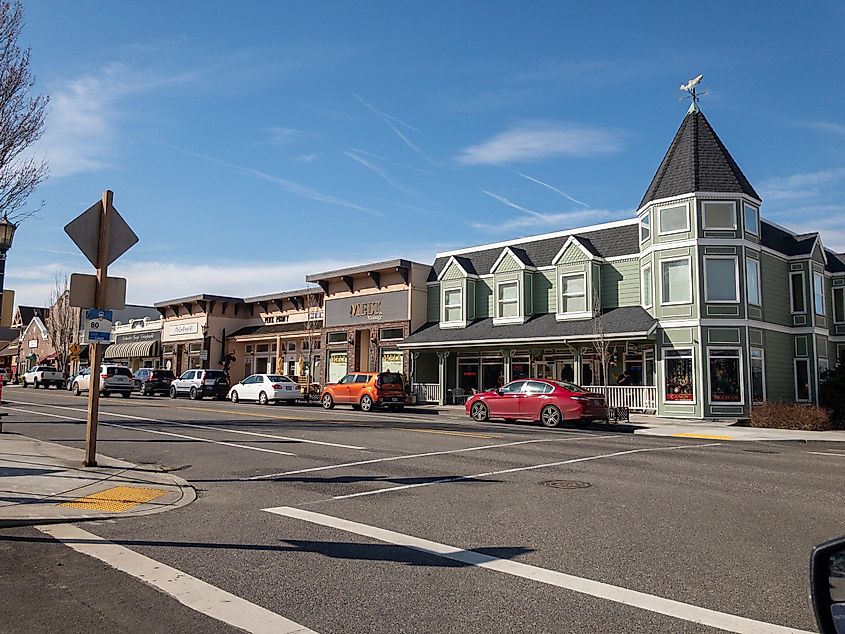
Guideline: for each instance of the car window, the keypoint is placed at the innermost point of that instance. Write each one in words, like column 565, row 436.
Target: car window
column 535, row 387
column 187, row 375
column 390, row 378
column 570, row 386
column 278, row 378
column 513, row 388
column 349, row 378
column 214, row 374
column 249, row 380
column 362, row 378
column 123, row 372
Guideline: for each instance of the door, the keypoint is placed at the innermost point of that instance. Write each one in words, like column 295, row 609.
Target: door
column 182, row 382
column 357, row 389
column 245, row 390
column 565, row 370
column 507, row 401
column 341, row 391
column 533, row 400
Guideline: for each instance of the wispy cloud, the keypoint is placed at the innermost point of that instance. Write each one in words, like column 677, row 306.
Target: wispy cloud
column 801, row 185
column 825, row 126
column 554, row 189
column 285, row 136
column 538, row 140
column 552, row 222
column 378, row 171
column 510, row 203
column 307, row 158
column 391, row 162
column 297, row 189
column 392, row 122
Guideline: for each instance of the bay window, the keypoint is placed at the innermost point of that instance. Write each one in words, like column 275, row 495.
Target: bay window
column 676, row 282
column 678, row 376
column 839, row 305
column 674, row 219
column 758, row 376
column 647, row 288
column 725, row 374
column 645, row 227
column 507, row 304
column 752, row 220
column 752, row 281
column 721, row 279
column 818, row 293
column 452, row 305
column 719, row 215
column 796, row 292
column 573, row 293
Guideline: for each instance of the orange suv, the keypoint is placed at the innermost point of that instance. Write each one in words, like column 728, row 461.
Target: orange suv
column 366, row 391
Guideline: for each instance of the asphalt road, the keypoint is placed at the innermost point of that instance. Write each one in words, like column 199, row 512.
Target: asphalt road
column 718, row 528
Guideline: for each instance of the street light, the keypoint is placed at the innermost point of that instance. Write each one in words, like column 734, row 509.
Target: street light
column 7, row 233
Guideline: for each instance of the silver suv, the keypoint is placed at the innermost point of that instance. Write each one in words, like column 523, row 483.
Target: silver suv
column 199, row 383
column 114, row 379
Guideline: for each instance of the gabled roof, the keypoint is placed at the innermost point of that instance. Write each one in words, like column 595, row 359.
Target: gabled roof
column 697, row 161
column 519, row 254
column 581, row 243
column 26, row 313
column 835, row 262
column 784, row 241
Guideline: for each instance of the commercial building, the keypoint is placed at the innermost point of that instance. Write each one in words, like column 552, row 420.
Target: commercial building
column 703, row 305
column 137, row 343
column 369, row 311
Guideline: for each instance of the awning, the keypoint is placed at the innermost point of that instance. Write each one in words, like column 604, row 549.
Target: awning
column 50, row 357
column 135, row 349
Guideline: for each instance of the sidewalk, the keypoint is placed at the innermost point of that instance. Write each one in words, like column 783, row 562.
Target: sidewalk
column 42, row 482
column 649, row 425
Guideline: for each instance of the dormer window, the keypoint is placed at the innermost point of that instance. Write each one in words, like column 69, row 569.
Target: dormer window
column 452, row 305
column 719, row 215
column 751, row 216
column 507, row 304
column 573, row 293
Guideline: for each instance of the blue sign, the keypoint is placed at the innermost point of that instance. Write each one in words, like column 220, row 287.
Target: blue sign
column 97, row 326
column 95, row 313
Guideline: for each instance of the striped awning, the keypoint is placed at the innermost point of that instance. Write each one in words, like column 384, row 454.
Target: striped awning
column 136, row 349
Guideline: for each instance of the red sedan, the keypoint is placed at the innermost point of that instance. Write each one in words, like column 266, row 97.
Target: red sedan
column 550, row 402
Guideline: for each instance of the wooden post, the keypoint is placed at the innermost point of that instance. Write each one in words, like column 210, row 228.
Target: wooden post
column 97, row 358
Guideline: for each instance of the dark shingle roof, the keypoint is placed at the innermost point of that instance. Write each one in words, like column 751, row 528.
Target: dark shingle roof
column 538, row 251
column 628, row 319
column 28, row 312
column 275, row 329
column 835, row 262
column 784, row 241
column 697, row 161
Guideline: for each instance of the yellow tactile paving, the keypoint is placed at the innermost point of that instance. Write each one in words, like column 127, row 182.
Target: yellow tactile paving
column 704, row 436
column 116, row 499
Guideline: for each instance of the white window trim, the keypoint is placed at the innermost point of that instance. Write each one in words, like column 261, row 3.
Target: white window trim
column 688, row 260
column 795, row 363
column 841, row 289
column 660, row 220
column 691, row 356
column 759, row 283
column 455, row 323
column 741, row 400
column 647, row 272
column 820, row 311
column 756, row 232
column 803, row 293
column 717, row 202
column 520, row 316
column 736, row 279
column 581, row 314
column 751, row 376
column 646, row 217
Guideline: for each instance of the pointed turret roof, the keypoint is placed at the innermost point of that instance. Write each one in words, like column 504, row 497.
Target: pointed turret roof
column 697, row 161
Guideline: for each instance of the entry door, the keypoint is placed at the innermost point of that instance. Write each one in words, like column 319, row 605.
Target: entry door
column 565, row 370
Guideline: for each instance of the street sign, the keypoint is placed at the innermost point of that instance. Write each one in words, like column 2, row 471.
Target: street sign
column 97, row 325
column 83, row 291
column 84, row 230
column 74, row 348
column 203, row 355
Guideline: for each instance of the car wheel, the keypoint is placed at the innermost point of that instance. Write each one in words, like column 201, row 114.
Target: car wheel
column 193, row 394
column 23, row 383
column 551, row 416
column 366, row 403
column 262, row 399
column 126, row 394
column 37, row 384
column 75, row 389
column 479, row 412
column 234, row 396
column 172, row 392
column 327, row 401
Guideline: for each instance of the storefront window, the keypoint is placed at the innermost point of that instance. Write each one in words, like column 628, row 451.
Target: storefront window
column 391, row 361
column 336, row 337
column 468, row 376
column 725, row 376
column 492, row 374
column 758, row 382
column 337, row 366
column 520, row 368
column 679, row 377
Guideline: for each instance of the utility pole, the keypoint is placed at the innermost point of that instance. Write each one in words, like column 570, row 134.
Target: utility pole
column 97, row 359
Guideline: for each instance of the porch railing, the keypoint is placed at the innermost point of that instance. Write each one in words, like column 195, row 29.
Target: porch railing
column 637, row 398
column 427, row 392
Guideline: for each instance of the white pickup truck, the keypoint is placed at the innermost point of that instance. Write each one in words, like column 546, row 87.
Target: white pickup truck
column 43, row 376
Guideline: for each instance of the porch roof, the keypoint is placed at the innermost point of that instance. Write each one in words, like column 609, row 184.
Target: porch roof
column 627, row 322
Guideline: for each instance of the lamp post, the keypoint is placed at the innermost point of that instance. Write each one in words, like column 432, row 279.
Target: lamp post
column 7, row 233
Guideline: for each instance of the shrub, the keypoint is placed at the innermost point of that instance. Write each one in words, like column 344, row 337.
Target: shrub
column 790, row 416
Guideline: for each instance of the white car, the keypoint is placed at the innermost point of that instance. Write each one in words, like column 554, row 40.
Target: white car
column 114, row 379
column 265, row 388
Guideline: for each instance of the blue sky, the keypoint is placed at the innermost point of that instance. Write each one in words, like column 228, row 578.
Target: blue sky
column 251, row 143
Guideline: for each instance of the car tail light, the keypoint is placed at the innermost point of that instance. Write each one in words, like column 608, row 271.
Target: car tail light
column 579, row 398
column 378, row 381
column 277, row 386
column 104, row 376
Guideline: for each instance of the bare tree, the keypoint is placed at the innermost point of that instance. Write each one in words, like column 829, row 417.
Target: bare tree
column 21, row 119
column 62, row 322
column 600, row 341
column 313, row 304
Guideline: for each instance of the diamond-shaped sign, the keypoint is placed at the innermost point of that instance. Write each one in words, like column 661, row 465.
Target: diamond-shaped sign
column 84, row 230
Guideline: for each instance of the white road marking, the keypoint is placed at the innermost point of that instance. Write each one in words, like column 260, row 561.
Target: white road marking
column 189, row 591
column 159, row 432
column 198, row 426
column 617, row 594
column 513, row 470
column 420, row 455
column 824, row 453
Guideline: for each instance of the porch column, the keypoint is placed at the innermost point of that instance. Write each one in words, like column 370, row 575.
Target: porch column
column 442, row 356
column 280, row 357
column 506, row 362
column 576, row 355
column 413, row 368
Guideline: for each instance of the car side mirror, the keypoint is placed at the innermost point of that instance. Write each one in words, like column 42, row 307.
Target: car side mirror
column 827, row 585
column 498, row 391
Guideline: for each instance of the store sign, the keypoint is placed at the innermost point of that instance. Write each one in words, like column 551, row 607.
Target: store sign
column 183, row 329
column 137, row 337
column 33, row 343
column 345, row 311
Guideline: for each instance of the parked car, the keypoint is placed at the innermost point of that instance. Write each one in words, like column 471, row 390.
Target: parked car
column 550, row 402
column 199, row 383
column 265, row 388
column 70, row 379
column 365, row 391
column 114, row 379
column 43, row 376
column 149, row 381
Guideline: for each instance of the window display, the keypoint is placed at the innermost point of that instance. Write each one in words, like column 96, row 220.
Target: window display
column 679, row 375
column 725, row 376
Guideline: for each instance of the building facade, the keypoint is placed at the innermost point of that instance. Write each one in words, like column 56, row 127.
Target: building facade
column 696, row 308
column 136, row 344
column 369, row 311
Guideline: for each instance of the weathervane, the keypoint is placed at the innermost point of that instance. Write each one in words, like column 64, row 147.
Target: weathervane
column 690, row 87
